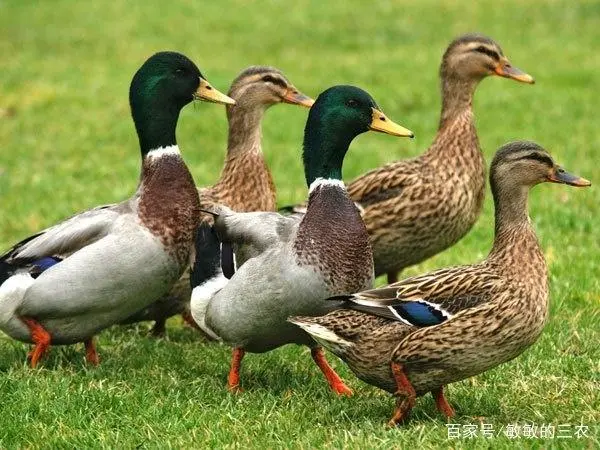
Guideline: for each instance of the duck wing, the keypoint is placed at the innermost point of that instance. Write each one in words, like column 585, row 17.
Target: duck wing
column 252, row 233
column 42, row 250
column 387, row 182
column 429, row 299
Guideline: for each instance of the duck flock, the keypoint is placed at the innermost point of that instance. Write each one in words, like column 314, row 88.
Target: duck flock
column 255, row 278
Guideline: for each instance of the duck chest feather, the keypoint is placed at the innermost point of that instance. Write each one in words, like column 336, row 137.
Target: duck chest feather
column 169, row 205
column 333, row 239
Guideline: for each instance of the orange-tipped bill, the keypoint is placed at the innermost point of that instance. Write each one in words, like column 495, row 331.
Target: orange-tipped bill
column 208, row 93
column 294, row 97
column 504, row 69
column 560, row 175
column 379, row 122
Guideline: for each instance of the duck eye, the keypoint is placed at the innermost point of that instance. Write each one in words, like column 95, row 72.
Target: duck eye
column 179, row 71
column 487, row 51
column 268, row 79
column 352, row 103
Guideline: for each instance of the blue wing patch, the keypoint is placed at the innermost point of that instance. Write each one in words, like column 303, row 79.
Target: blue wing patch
column 39, row 266
column 420, row 314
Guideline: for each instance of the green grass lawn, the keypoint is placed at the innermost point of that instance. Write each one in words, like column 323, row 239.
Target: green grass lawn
column 68, row 143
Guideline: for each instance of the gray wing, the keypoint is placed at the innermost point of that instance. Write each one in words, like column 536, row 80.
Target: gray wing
column 113, row 276
column 68, row 236
column 254, row 232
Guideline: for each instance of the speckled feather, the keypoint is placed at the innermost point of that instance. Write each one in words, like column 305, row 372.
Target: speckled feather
column 416, row 208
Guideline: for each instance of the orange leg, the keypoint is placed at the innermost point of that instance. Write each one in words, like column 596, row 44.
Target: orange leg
column 189, row 320
column 233, row 380
column 334, row 380
column 41, row 340
column 442, row 404
column 406, row 394
column 91, row 355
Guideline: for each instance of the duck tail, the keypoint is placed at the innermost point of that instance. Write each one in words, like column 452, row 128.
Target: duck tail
column 323, row 334
column 6, row 270
column 206, row 277
column 208, row 255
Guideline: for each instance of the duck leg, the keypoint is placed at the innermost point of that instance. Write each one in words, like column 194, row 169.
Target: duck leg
column 392, row 277
column 159, row 328
column 405, row 393
column 335, row 382
column 233, row 380
column 91, row 355
column 41, row 340
column 442, row 404
column 189, row 320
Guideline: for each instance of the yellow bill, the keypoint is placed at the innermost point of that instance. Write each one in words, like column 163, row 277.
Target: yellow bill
column 379, row 122
column 208, row 93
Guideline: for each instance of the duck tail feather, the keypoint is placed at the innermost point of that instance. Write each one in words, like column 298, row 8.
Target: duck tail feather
column 208, row 255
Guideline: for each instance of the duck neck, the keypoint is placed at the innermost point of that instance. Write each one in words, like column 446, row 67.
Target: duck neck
column 455, row 153
column 245, row 131
column 516, row 247
column 457, row 99
column 332, row 235
column 324, row 152
column 155, row 122
column 245, row 183
column 325, row 145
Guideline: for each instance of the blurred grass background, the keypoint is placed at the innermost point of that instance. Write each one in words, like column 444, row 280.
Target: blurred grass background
column 67, row 143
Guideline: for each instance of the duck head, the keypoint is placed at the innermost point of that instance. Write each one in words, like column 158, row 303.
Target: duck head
column 165, row 83
column 472, row 57
column 339, row 115
column 525, row 164
column 266, row 86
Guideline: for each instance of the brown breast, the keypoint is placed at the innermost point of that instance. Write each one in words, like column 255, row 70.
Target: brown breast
column 169, row 205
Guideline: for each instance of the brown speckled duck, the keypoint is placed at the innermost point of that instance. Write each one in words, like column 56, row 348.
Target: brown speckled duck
column 415, row 208
column 245, row 183
column 422, row 333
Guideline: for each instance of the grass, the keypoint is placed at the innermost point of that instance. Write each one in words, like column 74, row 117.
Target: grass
column 68, row 144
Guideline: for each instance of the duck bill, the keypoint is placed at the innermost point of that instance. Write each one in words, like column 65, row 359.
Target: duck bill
column 294, row 97
column 559, row 175
column 207, row 93
column 504, row 69
column 380, row 123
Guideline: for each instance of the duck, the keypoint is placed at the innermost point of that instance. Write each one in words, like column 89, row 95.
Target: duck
column 424, row 332
column 292, row 264
column 416, row 208
column 245, row 183
column 68, row 282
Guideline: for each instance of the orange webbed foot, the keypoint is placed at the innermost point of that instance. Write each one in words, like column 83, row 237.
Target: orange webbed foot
column 91, row 355
column 442, row 404
column 405, row 393
column 336, row 384
column 41, row 340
